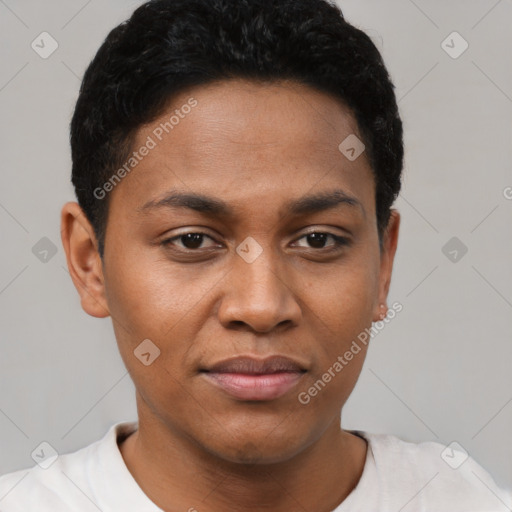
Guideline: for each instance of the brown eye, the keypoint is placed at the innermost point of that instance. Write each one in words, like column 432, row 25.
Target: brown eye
column 192, row 240
column 189, row 241
column 318, row 240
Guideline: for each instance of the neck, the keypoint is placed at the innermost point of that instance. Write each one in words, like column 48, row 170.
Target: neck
column 177, row 474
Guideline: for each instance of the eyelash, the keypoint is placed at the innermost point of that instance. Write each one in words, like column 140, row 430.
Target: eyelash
column 340, row 241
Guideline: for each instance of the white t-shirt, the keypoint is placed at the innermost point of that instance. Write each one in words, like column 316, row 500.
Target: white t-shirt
column 397, row 476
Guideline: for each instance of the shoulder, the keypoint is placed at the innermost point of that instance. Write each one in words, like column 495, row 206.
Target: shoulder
column 41, row 489
column 63, row 484
column 430, row 474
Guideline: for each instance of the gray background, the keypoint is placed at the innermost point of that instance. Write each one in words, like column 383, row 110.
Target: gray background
column 441, row 370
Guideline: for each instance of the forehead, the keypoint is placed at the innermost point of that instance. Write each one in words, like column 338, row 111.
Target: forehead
column 243, row 140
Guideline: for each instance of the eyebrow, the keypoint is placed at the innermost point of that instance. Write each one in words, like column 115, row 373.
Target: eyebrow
column 305, row 205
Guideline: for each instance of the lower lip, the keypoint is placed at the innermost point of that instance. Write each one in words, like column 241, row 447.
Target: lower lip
column 255, row 387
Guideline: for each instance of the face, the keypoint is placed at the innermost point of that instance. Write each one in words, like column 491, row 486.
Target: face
column 244, row 232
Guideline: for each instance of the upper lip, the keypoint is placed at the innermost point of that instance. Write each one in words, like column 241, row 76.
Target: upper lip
column 254, row 366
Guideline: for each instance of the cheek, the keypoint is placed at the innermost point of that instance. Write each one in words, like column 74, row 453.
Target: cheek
column 329, row 387
column 344, row 299
column 151, row 294
column 152, row 299
column 341, row 306
column 149, row 300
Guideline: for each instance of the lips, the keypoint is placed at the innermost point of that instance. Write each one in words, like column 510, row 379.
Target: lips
column 247, row 378
column 252, row 366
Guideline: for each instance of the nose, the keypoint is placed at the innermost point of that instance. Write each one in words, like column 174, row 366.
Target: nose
column 257, row 296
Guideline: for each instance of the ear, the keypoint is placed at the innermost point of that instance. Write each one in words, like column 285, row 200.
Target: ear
column 387, row 256
column 84, row 262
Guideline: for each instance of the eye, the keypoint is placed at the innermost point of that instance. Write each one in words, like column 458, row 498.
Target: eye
column 318, row 240
column 195, row 241
column 190, row 241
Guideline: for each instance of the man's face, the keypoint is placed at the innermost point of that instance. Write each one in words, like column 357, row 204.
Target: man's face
column 210, row 297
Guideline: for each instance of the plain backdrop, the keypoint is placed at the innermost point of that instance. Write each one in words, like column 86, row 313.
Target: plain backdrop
column 441, row 370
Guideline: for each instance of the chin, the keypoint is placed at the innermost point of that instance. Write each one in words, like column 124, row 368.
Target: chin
column 252, row 449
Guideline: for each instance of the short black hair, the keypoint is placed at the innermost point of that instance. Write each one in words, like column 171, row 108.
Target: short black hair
column 168, row 46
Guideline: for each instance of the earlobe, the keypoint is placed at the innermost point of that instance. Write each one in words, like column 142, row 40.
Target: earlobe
column 83, row 259
column 389, row 245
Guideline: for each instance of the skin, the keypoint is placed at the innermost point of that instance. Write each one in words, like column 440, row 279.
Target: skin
column 256, row 147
